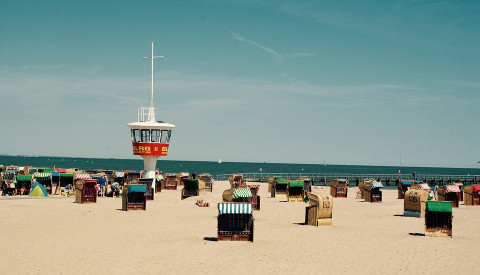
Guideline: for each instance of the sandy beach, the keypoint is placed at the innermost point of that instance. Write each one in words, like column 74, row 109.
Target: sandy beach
column 56, row 235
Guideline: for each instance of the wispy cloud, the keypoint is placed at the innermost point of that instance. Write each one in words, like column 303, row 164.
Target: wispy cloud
column 251, row 42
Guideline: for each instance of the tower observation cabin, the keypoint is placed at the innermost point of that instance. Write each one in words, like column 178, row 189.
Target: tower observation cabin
column 150, row 138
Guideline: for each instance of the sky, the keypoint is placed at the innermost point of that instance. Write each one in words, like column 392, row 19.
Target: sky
column 340, row 82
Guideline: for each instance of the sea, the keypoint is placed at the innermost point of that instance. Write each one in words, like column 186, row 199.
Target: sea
column 224, row 168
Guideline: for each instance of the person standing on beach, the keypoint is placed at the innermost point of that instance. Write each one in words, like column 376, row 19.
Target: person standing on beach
column 102, row 182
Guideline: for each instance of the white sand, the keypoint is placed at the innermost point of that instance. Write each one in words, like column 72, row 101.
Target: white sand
column 55, row 235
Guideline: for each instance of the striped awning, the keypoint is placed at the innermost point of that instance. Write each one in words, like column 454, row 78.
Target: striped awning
column 82, row 176
column 159, row 177
column 242, row 193
column 424, row 186
column 377, row 184
column 452, row 189
column 42, row 175
column 119, row 174
column 8, row 175
column 234, row 208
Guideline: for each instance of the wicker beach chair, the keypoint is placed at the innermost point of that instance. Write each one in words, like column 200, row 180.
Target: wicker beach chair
column 236, row 180
column 134, row 197
column 85, row 191
column 438, row 219
column 192, row 188
column 449, row 193
column 207, row 178
column 339, row 188
column 295, row 191
column 235, row 222
column 415, row 202
column 255, row 197
column 170, row 182
column 471, row 195
column 320, row 208
column 373, row 192
column 279, row 188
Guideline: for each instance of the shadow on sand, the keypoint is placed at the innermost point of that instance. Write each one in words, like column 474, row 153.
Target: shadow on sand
column 417, row 234
column 210, row 239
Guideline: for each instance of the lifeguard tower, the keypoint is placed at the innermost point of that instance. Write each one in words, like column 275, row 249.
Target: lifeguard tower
column 150, row 138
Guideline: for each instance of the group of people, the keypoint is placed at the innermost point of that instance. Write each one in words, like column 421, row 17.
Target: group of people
column 107, row 189
column 11, row 187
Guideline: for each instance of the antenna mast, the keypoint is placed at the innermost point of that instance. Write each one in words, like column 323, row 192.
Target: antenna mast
column 152, row 57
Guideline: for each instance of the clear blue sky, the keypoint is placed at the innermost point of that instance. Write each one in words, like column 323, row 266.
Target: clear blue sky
column 361, row 82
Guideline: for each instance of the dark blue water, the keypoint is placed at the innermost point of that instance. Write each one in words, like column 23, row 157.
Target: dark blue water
column 214, row 168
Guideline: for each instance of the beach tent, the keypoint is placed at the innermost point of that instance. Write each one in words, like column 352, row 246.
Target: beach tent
column 38, row 190
column 235, row 222
column 279, row 188
column 134, row 197
column 471, row 195
column 339, row 188
column 295, row 191
column 415, row 202
column 320, row 208
column 45, row 179
column 438, row 219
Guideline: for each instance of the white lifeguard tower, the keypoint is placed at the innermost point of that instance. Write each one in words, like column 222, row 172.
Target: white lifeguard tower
column 150, row 138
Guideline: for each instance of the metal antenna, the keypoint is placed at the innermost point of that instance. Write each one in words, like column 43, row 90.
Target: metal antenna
column 152, row 57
